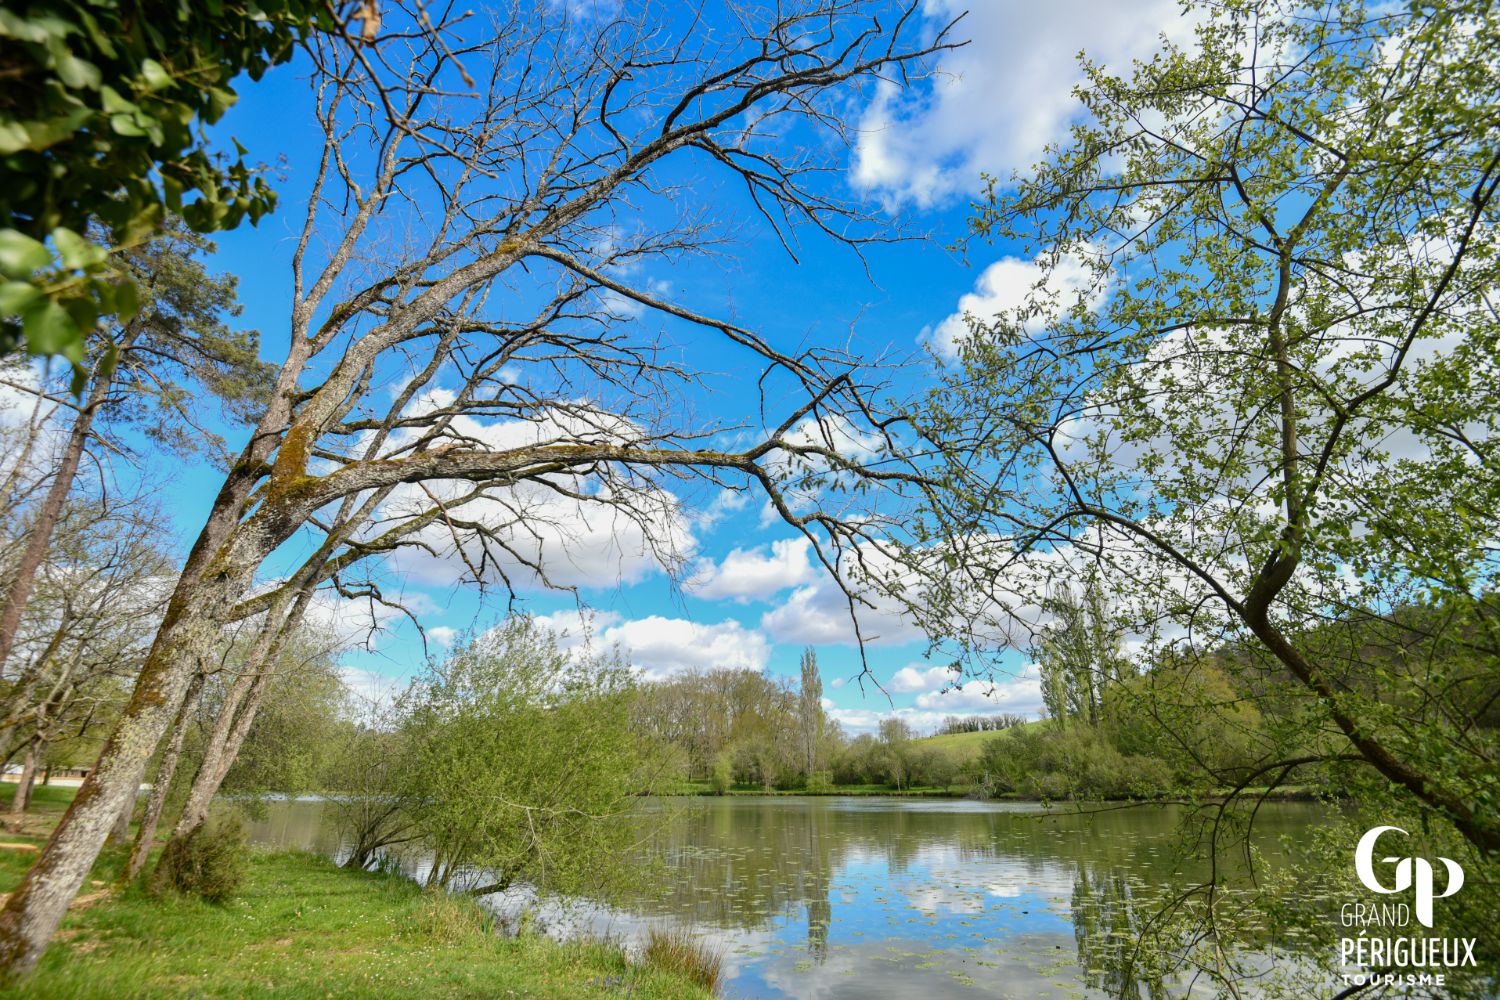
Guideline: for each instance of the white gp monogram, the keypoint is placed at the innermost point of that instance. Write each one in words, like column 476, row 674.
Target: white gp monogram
column 1410, row 873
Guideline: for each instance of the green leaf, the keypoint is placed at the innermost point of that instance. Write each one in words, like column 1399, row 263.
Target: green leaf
column 83, row 309
column 50, row 330
column 76, row 251
column 17, row 296
column 13, row 137
column 120, row 298
column 115, row 104
column 219, row 101
column 125, row 125
column 20, row 255
column 155, row 75
column 77, row 73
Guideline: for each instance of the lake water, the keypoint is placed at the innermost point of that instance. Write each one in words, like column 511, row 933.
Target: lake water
column 878, row 897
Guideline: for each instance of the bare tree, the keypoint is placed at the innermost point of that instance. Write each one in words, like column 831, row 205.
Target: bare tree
column 470, row 196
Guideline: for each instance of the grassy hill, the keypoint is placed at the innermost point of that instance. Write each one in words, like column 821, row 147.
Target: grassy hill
column 964, row 747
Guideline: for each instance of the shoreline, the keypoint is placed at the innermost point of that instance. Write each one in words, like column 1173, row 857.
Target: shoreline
column 302, row 927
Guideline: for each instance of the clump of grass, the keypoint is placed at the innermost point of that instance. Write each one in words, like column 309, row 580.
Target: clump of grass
column 676, row 951
column 211, row 863
column 443, row 918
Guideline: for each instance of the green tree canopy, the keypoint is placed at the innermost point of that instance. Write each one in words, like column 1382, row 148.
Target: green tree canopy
column 101, row 122
column 1272, row 399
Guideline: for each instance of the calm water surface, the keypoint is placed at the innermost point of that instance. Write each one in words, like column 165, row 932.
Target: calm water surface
column 885, row 898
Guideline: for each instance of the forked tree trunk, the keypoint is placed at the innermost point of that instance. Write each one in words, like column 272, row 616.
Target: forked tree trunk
column 120, row 832
column 161, row 785
column 216, row 575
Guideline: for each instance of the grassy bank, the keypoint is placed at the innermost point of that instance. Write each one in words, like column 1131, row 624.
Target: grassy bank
column 302, row 928
column 920, row 792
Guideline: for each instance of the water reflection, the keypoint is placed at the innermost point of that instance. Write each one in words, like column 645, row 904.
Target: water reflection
column 880, row 898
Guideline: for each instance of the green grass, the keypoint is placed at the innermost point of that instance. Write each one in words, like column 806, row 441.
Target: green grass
column 46, row 800
column 677, row 949
column 961, row 747
column 302, row 928
column 965, row 747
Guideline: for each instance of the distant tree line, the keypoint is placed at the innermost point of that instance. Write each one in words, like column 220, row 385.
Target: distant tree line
column 953, row 724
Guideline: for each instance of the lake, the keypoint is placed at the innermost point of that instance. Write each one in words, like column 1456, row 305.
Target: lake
column 880, row 897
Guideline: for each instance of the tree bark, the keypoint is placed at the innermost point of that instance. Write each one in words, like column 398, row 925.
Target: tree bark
column 161, row 785
column 121, row 830
column 21, row 801
column 235, row 718
column 217, row 573
column 190, row 629
column 18, row 593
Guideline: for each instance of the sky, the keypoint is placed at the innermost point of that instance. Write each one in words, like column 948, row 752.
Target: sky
column 749, row 596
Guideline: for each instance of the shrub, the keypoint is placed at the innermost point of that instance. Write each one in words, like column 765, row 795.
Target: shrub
column 722, row 778
column 1188, row 714
column 1059, row 762
column 675, row 950
column 211, row 863
column 819, row 783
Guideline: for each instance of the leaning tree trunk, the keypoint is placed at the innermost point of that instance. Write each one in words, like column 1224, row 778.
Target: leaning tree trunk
column 121, row 830
column 37, row 540
column 22, row 799
column 161, row 785
column 238, row 714
column 218, row 575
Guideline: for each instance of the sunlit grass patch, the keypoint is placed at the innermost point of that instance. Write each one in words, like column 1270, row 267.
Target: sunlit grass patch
column 301, row 927
column 677, row 951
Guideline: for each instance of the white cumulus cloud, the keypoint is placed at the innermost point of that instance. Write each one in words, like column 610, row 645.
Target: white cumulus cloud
column 1012, row 285
column 993, row 105
column 914, row 678
column 755, row 573
column 659, row 647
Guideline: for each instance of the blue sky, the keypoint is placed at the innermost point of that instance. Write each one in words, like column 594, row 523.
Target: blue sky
column 749, row 596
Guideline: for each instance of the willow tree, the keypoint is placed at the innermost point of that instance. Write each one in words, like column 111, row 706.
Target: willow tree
column 1256, row 382
column 469, row 360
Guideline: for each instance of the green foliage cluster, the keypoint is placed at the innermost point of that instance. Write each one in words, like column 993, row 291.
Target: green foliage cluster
column 510, row 761
column 1057, row 762
column 762, row 730
column 291, row 747
column 895, row 759
column 520, row 758
column 100, row 126
column 721, row 778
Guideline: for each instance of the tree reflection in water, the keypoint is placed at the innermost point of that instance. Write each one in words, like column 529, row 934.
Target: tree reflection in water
column 832, row 897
